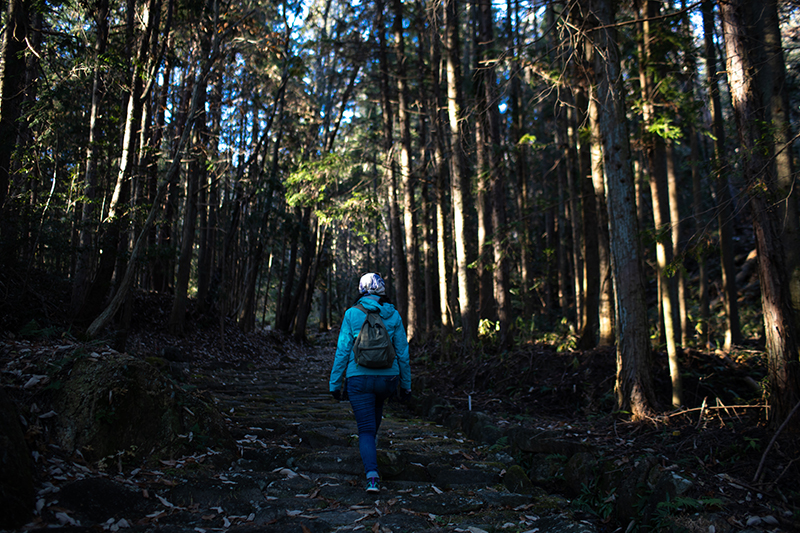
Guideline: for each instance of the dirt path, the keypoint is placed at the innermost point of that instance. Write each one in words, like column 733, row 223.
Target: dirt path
column 299, row 470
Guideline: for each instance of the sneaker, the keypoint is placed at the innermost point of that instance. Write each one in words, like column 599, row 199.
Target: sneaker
column 372, row 485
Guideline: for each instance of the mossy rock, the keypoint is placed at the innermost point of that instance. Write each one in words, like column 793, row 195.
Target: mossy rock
column 123, row 406
column 516, row 480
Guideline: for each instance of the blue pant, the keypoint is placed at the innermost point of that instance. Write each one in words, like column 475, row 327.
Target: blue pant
column 367, row 395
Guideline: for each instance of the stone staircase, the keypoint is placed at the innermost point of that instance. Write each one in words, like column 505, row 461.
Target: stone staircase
column 297, row 469
column 300, row 468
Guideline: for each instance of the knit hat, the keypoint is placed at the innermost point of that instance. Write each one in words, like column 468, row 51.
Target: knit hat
column 371, row 284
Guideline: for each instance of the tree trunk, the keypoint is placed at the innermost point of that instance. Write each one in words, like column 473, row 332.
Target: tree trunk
column 177, row 317
column 655, row 148
column 11, row 90
column 587, row 335
column 606, row 312
column 779, row 323
column 773, row 82
column 412, row 281
column 733, row 334
column 458, row 184
column 500, row 269
column 85, row 255
column 520, row 153
column 122, row 291
column 634, row 387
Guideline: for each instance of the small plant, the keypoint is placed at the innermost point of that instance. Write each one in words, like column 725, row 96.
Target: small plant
column 501, row 443
column 680, row 504
column 592, row 502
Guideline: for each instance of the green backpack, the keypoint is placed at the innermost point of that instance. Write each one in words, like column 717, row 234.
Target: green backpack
column 373, row 347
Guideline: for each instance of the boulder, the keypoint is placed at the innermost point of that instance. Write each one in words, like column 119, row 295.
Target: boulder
column 123, row 408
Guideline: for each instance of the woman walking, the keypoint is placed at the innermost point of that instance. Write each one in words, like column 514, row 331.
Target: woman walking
column 368, row 388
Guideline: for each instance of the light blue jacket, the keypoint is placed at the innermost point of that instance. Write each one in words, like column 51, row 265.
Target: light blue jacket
column 351, row 325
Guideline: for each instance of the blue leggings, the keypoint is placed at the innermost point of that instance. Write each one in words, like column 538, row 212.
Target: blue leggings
column 367, row 396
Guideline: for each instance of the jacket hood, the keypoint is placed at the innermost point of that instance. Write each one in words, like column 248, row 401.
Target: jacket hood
column 387, row 309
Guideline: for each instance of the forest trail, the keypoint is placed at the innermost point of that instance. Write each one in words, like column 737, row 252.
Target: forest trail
column 300, row 471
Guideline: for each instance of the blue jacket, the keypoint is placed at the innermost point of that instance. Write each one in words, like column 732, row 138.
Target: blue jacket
column 351, row 325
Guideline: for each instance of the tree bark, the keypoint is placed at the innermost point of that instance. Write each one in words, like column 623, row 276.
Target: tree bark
column 496, row 179
column 587, row 335
column 11, row 89
column 411, row 248
column 779, row 322
column 458, row 186
column 122, row 291
column 389, row 171
column 655, row 149
column 733, row 334
column 772, row 79
column 177, row 317
column 634, row 386
column 606, row 311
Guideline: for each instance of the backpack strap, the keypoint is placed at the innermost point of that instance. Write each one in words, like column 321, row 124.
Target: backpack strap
column 364, row 309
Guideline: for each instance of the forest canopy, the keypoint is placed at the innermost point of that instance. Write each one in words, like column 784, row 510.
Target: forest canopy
column 604, row 173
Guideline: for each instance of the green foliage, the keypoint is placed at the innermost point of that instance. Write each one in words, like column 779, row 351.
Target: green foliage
column 529, row 139
column 563, row 337
column 666, row 510
column 601, row 506
column 664, row 128
column 332, row 186
column 501, row 444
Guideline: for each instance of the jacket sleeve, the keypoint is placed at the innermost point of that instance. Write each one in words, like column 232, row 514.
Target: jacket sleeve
column 344, row 347
column 400, row 341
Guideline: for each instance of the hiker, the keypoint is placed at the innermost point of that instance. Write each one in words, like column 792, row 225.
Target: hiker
column 368, row 388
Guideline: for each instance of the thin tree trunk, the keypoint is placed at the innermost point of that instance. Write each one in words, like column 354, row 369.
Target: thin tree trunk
column 655, row 147
column 500, row 269
column 591, row 264
column 458, row 185
column 399, row 275
column 634, row 387
column 412, row 281
column 733, row 334
column 177, row 317
column 518, row 119
column 606, row 311
column 13, row 74
column 122, row 292
column 84, row 260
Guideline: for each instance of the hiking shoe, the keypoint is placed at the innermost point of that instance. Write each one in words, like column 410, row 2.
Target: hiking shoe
column 372, row 485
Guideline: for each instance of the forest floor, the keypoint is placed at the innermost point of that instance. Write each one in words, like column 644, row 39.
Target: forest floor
column 724, row 444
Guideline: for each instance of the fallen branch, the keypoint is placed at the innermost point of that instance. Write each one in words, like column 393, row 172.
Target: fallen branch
column 772, row 441
column 715, row 407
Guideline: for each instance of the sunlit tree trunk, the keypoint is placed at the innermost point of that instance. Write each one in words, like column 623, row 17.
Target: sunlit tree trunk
column 500, row 270
column 458, row 184
column 634, row 386
column 591, row 259
column 411, row 248
column 439, row 174
column 779, row 323
column 733, row 334
column 655, row 148
column 676, row 229
column 606, row 312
